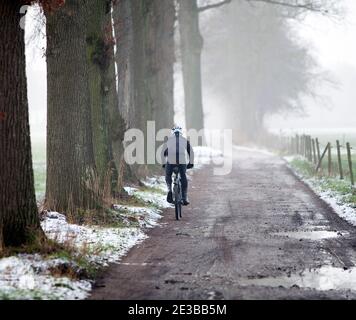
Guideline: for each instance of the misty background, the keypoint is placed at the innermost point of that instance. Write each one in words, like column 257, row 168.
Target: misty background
column 235, row 38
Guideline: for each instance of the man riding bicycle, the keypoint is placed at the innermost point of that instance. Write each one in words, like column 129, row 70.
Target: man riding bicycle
column 175, row 150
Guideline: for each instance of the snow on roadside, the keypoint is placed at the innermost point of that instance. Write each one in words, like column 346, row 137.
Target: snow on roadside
column 157, row 182
column 152, row 198
column 29, row 276
column 334, row 199
column 156, row 199
column 254, row 149
column 206, row 155
column 146, row 217
column 104, row 245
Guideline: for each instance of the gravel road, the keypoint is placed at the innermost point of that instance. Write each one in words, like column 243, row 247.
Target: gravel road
column 258, row 233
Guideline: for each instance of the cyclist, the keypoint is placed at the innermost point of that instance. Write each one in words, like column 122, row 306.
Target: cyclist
column 175, row 150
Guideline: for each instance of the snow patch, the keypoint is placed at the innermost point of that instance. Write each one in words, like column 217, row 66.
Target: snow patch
column 157, row 199
column 207, row 155
column 157, row 182
column 104, row 245
column 332, row 198
column 254, row 149
column 28, row 277
column 146, row 217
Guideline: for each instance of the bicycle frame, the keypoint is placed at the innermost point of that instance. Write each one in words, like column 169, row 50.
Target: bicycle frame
column 177, row 192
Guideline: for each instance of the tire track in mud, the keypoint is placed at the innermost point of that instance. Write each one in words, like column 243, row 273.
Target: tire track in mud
column 238, row 228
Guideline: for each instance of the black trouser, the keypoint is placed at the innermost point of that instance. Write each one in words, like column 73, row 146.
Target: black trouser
column 183, row 177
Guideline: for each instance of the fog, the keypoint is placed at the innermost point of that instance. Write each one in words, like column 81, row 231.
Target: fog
column 36, row 72
column 329, row 44
column 333, row 44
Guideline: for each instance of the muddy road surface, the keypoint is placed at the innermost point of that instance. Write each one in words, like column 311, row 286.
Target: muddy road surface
column 258, row 233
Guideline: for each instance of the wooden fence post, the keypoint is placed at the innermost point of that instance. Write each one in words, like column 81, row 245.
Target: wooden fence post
column 306, row 146
column 339, row 159
column 314, row 151
column 291, row 146
column 310, row 153
column 317, row 148
column 301, row 145
column 348, row 147
column 322, row 157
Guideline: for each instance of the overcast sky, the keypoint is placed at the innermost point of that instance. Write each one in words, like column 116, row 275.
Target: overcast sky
column 334, row 45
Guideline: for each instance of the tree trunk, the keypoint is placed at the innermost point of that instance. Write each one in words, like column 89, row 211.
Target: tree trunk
column 123, row 26
column 145, row 57
column 19, row 222
column 90, row 100
column 107, row 124
column 191, row 50
column 144, row 32
column 160, row 55
column 72, row 180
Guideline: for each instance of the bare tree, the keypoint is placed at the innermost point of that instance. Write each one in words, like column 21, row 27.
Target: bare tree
column 257, row 67
column 192, row 42
column 296, row 7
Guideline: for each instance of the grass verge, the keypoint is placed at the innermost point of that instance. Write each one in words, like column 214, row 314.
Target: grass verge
column 324, row 183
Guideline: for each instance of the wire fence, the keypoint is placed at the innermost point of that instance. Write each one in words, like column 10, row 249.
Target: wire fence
column 333, row 159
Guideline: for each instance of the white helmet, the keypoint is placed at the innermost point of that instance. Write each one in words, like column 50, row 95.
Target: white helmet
column 177, row 129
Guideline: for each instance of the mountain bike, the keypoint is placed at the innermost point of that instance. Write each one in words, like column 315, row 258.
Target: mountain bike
column 177, row 193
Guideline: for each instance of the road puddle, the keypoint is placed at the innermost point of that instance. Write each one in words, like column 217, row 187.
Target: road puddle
column 311, row 235
column 325, row 278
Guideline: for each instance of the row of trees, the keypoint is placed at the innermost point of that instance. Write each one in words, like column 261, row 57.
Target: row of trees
column 86, row 122
column 109, row 68
column 88, row 110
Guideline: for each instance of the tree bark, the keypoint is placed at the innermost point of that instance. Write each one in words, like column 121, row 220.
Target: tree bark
column 160, row 60
column 107, row 123
column 123, row 26
column 191, row 50
column 72, row 179
column 19, row 221
column 144, row 32
column 145, row 57
column 81, row 59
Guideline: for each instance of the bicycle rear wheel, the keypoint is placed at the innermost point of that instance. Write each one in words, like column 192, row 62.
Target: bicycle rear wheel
column 177, row 203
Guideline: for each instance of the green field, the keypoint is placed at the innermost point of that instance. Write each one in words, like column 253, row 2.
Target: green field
column 335, row 173
column 325, row 136
column 39, row 167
